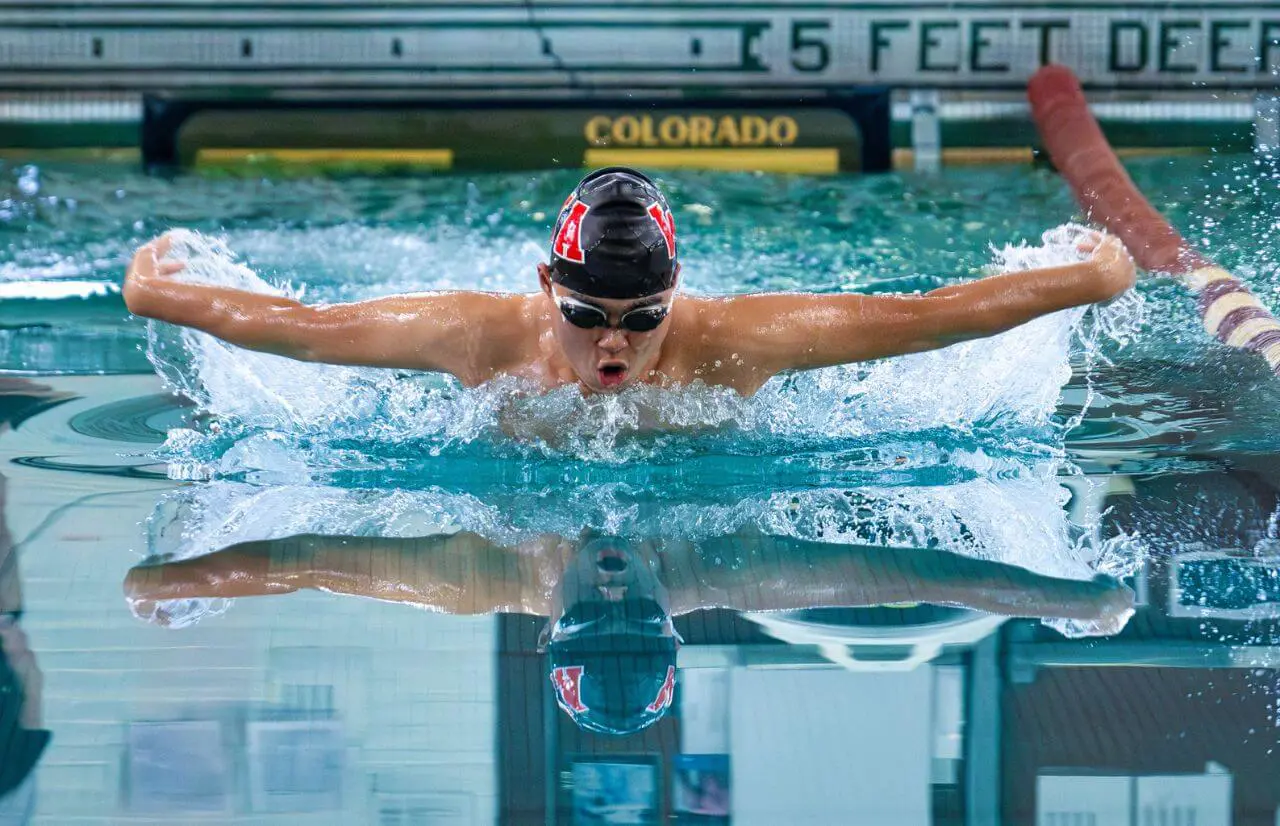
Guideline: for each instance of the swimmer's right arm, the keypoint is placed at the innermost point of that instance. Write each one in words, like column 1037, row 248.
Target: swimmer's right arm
column 466, row 334
column 459, row 573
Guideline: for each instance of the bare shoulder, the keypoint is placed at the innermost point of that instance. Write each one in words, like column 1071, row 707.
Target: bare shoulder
column 506, row 326
column 474, row 335
column 741, row 341
column 698, row 325
column 729, row 317
column 471, row 317
column 475, row 303
column 709, row 341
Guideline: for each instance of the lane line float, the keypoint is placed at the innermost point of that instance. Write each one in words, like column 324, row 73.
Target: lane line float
column 1231, row 313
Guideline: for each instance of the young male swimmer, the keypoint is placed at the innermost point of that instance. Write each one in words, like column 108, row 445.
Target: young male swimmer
column 607, row 315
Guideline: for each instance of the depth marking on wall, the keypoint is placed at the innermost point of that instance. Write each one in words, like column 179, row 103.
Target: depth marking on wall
column 452, row 46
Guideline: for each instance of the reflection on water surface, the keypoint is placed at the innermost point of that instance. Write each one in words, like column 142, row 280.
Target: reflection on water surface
column 254, row 650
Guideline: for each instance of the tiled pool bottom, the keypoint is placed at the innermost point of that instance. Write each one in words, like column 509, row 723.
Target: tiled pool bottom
column 323, row 708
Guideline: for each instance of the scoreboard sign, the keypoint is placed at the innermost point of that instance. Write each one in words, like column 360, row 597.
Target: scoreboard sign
column 578, row 47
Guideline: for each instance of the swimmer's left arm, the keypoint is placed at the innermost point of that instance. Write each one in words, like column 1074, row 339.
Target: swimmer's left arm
column 773, row 333
column 785, row 573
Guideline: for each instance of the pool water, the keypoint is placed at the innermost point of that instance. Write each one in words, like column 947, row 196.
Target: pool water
column 904, row 588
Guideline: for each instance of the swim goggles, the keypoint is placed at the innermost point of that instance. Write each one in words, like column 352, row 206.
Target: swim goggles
column 589, row 316
column 644, row 617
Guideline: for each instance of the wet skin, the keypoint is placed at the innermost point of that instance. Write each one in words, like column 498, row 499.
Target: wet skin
column 602, row 359
column 738, row 341
column 465, row 573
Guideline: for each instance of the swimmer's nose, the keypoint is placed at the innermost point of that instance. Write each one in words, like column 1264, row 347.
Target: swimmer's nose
column 614, row 593
column 613, row 341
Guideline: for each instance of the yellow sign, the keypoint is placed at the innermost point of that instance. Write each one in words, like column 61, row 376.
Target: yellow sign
column 691, row 130
column 796, row 161
column 438, row 158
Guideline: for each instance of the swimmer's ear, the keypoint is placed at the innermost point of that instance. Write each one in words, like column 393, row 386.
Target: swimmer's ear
column 675, row 278
column 544, row 278
column 544, row 637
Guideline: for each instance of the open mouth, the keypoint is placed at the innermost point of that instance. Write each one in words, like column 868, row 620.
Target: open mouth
column 612, row 374
column 611, row 562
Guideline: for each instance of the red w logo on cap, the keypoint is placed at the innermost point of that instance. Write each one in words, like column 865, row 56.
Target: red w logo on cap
column 568, row 683
column 566, row 244
column 666, row 693
column 666, row 223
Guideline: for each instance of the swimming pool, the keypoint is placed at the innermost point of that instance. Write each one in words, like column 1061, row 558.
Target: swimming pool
column 994, row 478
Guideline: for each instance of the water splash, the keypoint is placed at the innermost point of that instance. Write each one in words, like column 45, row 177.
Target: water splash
column 1009, row 512
column 270, row 409
column 954, row 449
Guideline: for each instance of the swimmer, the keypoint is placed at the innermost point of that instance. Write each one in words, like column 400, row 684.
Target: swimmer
column 610, row 601
column 607, row 315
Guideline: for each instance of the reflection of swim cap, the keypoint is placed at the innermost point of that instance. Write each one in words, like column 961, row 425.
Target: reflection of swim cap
column 616, row 682
column 615, row 237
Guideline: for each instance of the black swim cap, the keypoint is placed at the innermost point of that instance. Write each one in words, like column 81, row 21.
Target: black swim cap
column 615, row 237
column 616, row 682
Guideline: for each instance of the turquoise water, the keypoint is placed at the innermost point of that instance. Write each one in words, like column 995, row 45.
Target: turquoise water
column 998, row 477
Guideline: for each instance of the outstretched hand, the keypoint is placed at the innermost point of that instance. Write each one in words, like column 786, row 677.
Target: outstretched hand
column 147, row 266
column 1115, row 604
column 1111, row 262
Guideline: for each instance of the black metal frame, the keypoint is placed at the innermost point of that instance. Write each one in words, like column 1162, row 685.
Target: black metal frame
column 868, row 107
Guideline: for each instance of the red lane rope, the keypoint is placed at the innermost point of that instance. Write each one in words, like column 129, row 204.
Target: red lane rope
column 1230, row 312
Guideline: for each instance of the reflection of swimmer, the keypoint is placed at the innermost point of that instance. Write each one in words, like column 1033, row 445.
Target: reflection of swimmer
column 610, row 638
column 606, row 315
column 20, row 399
column 22, row 739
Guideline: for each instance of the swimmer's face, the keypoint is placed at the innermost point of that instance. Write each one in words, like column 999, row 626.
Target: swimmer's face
column 610, row 570
column 610, row 357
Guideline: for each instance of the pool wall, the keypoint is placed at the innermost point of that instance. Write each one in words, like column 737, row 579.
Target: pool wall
column 74, row 76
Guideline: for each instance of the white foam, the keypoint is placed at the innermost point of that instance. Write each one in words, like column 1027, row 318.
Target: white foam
column 1011, row 379
column 56, row 290
column 1012, row 513
column 283, row 421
